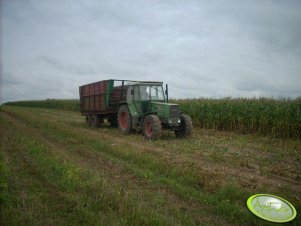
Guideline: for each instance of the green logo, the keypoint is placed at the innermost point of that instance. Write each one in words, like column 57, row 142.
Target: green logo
column 271, row 208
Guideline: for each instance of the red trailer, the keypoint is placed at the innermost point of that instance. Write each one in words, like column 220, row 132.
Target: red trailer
column 100, row 100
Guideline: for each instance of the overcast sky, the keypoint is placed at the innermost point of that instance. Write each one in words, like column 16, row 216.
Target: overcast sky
column 201, row 48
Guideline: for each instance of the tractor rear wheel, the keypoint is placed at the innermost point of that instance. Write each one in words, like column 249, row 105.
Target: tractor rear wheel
column 124, row 119
column 186, row 127
column 152, row 128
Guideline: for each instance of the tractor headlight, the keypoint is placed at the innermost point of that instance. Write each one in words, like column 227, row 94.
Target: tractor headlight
column 179, row 120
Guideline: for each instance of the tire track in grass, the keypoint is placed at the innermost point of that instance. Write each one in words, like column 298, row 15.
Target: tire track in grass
column 180, row 203
column 238, row 171
column 185, row 152
column 114, row 139
column 213, row 175
column 170, row 179
column 32, row 199
column 126, row 214
column 132, row 149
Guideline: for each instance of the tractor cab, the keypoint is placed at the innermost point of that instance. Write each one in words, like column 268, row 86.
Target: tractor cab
column 142, row 95
column 146, row 92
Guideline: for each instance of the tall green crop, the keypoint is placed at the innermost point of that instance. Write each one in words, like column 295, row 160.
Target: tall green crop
column 280, row 118
column 67, row 104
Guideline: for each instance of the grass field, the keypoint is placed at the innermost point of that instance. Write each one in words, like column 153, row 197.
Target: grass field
column 54, row 170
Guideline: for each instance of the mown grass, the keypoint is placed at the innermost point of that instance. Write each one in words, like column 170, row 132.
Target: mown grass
column 101, row 180
column 278, row 118
column 47, row 189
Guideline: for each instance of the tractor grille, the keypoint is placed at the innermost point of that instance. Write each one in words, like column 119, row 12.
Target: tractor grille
column 174, row 111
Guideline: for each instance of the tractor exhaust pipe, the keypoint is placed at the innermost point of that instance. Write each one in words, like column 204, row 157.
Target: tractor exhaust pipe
column 166, row 92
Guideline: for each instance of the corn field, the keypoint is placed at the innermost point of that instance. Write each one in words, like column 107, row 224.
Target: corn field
column 67, row 104
column 280, row 118
column 275, row 117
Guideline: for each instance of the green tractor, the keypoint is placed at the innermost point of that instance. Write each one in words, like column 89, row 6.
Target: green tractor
column 140, row 105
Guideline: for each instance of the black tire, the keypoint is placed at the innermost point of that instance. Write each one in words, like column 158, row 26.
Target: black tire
column 113, row 120
column 88, row 120
column 186, row 127
column 152, row 128
column 95, row 121
column 124, row 119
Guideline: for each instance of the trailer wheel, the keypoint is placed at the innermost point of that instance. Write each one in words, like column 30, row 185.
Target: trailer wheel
column 152, row 128
column 186, row 127
column 88, row 120
column 95, row 121
column 113, row 120
column 124, row 119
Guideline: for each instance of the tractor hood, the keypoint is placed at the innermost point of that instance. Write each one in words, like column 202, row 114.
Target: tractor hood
column 166, row 110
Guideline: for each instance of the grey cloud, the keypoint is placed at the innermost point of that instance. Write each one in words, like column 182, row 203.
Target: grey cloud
column 201, row 48
column 78, row 68
column 265, row 87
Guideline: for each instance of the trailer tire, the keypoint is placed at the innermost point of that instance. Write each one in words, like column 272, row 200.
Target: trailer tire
column 124, row 119
column 88, row 120
column 186, row 127
column 113, row 120
column 95, row 121
column 152, row 128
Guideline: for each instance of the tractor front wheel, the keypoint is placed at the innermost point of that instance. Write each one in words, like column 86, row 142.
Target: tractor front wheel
column 124, row 119
column 152, row 128
column 185, row 128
